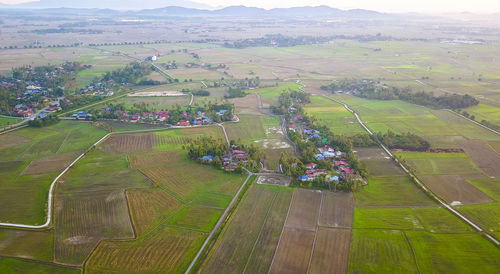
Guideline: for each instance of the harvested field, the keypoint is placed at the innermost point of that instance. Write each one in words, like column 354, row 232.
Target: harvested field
column 294, row 251
column 83, row 219
column 261, row 258
column 274, row 180
column 331, row 251
column 336, row 210
column 232, row 251
column 129, row 143
column 50, row 164
column 304, row 209
column 455, row 190
column 377, row 162
column 246, row 105
column 490, row 186
column 484, row 157
column 495, row 145
column 153, row 159
column 8, row 140
column 166, row 248
column 148, row 206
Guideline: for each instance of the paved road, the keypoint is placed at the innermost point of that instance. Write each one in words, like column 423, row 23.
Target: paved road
column 418, row 182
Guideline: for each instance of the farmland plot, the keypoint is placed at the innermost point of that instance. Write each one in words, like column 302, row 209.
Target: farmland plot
column 129, row 143
column 83, row 219
column 37, row 245
column 484, row 157
column 11, row 265
column 455, row 190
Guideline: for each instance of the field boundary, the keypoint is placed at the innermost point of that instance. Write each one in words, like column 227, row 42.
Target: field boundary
column 417, row 181
column 52, row 185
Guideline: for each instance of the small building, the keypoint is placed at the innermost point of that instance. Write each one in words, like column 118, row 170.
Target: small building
column 207, row 158
column 310, row 166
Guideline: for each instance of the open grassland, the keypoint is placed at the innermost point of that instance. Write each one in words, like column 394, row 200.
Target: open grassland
column 333, row 115
column 166, row 249
column 10, row 265
column 439, row 163
column 380, row 251
column 30, row 158
column 266, row 207
column 456, row 253
column 35, row 245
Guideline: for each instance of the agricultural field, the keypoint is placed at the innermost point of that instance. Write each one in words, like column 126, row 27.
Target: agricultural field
column 333, row 115
column 11, row 265
column 31, row 158
column 5, row 121
column 153, row 102
column 270, row 95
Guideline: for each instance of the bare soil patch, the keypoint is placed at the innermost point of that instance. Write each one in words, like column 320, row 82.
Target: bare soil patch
column 331, row 251
column 495, row 145
column 277, row 180
column 304, row 210
column 455, row 190
column 484, row 157
column 8, row 140
column 294, row 251
column 378, row 162
column 50, row 164
column 336, row 210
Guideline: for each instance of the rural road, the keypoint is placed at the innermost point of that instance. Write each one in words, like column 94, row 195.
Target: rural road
column 419, row 183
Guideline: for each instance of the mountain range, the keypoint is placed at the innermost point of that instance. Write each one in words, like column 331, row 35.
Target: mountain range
column 108, row 4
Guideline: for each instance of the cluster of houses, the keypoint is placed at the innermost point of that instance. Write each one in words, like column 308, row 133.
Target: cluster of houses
column 325, row 153
column 98, row 89
column 229, row 160
column 81, row 115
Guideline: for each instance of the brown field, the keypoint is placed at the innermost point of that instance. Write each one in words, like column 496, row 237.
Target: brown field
column 377, row 162
column 166, row 249
column 336, row 210
column 453, row 188
column 148, row 206
column 83, row 219
column 294, row 251
column 246, row 105
column 129, row 143
column 152, row 159
column 495, row 145
column 331, row 251
column 304, row 209
column 8, row 140
column 50, row 164
column 483, row 156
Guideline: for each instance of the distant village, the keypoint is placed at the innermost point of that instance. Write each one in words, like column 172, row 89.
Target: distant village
column 177, row 116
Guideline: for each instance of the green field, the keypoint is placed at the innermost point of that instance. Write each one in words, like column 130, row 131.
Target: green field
column 333, row 115
column 380, row 251
column 5, row 121
column 9, row 265
column 391, row 191
column 440, row 163
column 486, row 215
column 455, row 253
column 490, row 186
column 270, row 95
column 31, row 158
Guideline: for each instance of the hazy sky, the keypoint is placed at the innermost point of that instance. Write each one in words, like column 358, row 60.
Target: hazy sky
column 482, row 6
